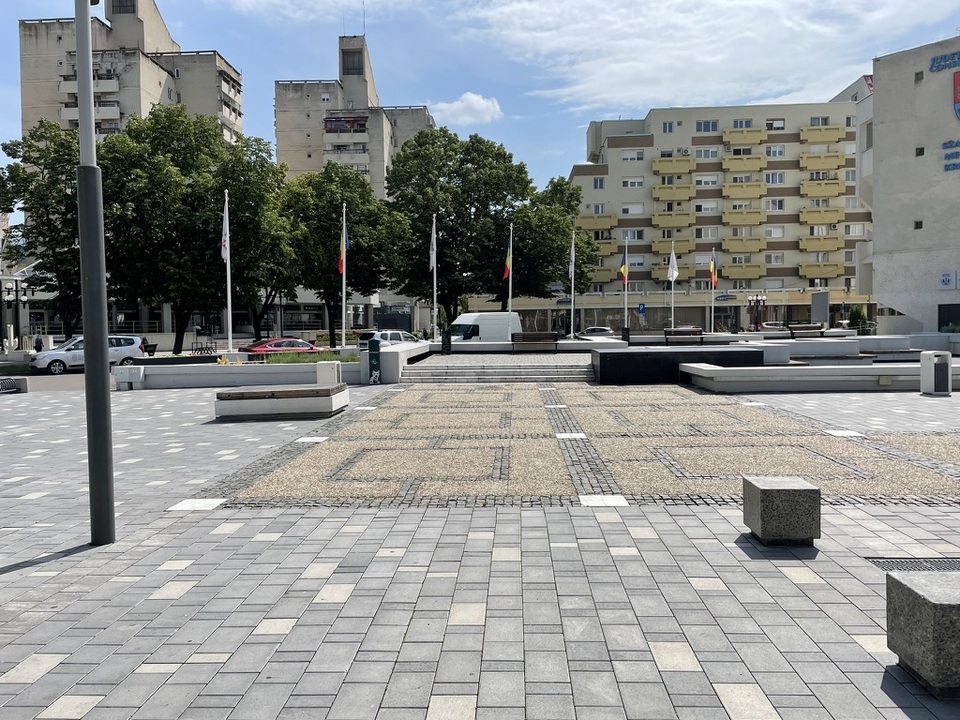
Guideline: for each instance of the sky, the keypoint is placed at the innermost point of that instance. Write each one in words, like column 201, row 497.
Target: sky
column 531, row 74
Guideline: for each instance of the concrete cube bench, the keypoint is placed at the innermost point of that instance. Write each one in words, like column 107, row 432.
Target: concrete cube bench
column 781, row 510
column 282, row 403
column 923, row 628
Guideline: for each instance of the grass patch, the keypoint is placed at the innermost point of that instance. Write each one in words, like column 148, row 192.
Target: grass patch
column 18, row 369
column 309, row 357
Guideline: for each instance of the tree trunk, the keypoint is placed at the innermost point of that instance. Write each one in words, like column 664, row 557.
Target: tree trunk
column 259, row 315
column 333, row 310
column 181, row 316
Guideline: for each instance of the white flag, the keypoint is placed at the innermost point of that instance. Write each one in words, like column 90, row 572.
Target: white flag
column 673, row 272
column 225, row 237
column 433, row 244
column 573, row 257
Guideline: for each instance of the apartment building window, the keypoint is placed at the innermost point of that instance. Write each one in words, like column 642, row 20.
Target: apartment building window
column 666, row 207
column 702, row 285
column 849, row 257
column 743, row 123
column 775, row 178
column 325, row 97
column 740, row 205
column 739, row 151
column 707, row 153
column 352, row 62
column 666, row 179
column 819, row 230
column 817, row 149
column 706, row 233
column 668, row 126
column 740, row 179
column 774, row 258
column 632, row 182
column 702, row 260
column 850, row 175
column 635, row 287
column 851, row 121
column 631, row 235
column 706, row 181
column 598, row 183
column 707, row 126
column 850, row 148
column 741, row 285
column 632, row 209
column 666, row 153
column 819, row 283
column 853, row 229
column 741, row 231
column 666, row 233
column 774, row 204
column 820, row 257
column 773, row 231
column 362, row 169
column 595, row 289
column 739, row 259
column 631, row 155
column 820, row 121
column 706, row 207
column 597, row 208
column 852, row 202
column 776, row 124
column 868, row 136
column 820, row 202
column 920, row 151
column 819, row 175
column 635, row 261
column 773, row 284
column 775, row 150
column 125, row 7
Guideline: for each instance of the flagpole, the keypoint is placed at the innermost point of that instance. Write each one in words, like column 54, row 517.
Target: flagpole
column 225, row 252
column 510, row 270
column 713, row 288
column 626, row 274
column 573, row 273
column 343, row 281
column 673, row 283
column 433, row 266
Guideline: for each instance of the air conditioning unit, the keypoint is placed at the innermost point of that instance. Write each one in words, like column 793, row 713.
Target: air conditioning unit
column 833, row 226
column 686, row 151
column 727, row 148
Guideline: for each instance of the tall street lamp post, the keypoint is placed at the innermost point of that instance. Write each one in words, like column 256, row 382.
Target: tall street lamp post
column 757, row 302
column 15, row 297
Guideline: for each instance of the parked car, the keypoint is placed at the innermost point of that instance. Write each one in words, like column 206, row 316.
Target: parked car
column 283, row 344
column 597, row 332
column 122, row 350
column 386, row 337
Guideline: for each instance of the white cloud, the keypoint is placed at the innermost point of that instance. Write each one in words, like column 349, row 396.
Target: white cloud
column 469, row 109
column 320, row 10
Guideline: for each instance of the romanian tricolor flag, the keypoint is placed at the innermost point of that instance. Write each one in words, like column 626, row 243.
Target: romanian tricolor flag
column 344, row 243
column 713, row 271
column 507, row 266
column 624, row 269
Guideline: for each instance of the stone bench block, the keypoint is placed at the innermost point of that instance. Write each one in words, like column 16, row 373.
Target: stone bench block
column 923, row 628
column 282, row 403
column 781, row 510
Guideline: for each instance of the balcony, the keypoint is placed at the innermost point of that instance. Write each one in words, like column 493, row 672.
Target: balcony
column 106, row 110
column 111, row 85
column 604, row 275
column 821, row 270
column 746, row 271
column 744, row 163
column 748, row 216
column 744, row 244
column 822, row 216
column 822, row 188
column 744, row 136
column 681, row 246
column 823, row 161
column 607, row 247
column 230, row 91
column 822, row 243
column 822, row 133
column 674, row 165
column 670, row 193
column 603, row 221
column 744, row 191
column 677, row 219
column 659, row 273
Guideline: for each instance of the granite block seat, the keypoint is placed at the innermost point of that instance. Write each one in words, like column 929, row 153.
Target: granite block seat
column 923, row 628
column 282, row 403
column 781, row 510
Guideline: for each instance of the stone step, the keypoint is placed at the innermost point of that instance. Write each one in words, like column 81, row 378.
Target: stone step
column 496, row 378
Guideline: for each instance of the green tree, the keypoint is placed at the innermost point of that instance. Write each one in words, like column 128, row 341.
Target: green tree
column 43, row 184
column 477, row 190
column 313, row 205
column 857, row 318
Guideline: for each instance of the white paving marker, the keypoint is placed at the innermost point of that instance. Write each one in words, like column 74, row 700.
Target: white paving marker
column 198, row 504
column 571, row 436
column 843, row 433
column 312, row 439
column 603, row 501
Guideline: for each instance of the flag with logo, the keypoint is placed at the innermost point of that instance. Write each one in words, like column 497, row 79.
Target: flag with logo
column 713, row 271
column 673, row 272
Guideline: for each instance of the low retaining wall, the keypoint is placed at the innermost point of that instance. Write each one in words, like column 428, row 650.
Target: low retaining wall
column 158, row 377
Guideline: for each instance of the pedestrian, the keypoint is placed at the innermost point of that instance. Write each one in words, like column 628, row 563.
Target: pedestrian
column 37, row 342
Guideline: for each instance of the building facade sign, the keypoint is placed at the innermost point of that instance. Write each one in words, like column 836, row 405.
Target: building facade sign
column 944, row 62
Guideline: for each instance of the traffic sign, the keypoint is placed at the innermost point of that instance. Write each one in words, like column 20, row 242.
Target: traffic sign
column 642, row 308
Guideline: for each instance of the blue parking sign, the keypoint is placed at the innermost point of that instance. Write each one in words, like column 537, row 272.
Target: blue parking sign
column 642, row 308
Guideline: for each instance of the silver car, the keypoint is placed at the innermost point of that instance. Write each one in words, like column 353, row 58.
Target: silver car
column 386, row 337
column 121, row 351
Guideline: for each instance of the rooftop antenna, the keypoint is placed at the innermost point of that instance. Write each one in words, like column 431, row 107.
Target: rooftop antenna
column 363, row 7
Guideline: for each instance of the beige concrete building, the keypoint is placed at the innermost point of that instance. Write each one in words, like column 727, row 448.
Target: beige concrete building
column 767, row 192
column 341, row 120
column 137, row 64
column 909, row 164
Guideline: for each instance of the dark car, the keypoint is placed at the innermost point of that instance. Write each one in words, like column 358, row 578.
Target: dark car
column 276, row 345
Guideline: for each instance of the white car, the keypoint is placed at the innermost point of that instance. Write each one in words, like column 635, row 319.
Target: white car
column 386, row 337
column 121, row 351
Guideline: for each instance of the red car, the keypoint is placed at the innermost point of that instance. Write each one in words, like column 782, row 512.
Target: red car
column 275, row 345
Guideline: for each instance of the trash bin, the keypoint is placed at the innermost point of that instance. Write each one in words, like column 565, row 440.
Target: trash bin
column 625, row 335
column 936, row 369
column 373, row 348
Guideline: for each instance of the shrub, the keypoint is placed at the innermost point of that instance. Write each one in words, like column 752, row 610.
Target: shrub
column 284, row 357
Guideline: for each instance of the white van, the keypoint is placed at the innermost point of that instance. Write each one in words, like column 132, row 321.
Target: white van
column 485, row 326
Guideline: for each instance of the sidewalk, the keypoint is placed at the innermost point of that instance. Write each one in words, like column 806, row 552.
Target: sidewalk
column 465, row 578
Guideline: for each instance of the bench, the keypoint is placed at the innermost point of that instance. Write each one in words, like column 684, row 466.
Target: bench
column 923, row 614
column 781, row 510
column 691, row 334
column 535, row 341
column 322, row 401
column 805, row 330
